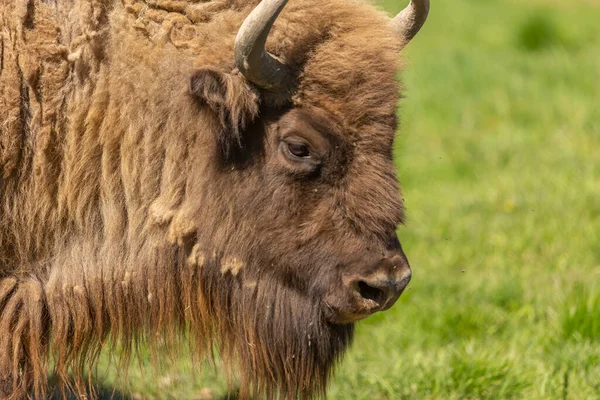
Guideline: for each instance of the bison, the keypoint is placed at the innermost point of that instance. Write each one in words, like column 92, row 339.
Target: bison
column 215, row 170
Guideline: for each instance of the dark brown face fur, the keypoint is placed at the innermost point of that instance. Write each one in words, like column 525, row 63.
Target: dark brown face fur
column 307, row 207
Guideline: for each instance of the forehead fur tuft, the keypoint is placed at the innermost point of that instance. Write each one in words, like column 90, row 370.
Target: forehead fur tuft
column 347, row 56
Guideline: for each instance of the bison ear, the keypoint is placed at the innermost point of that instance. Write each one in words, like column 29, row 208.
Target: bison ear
column 233, row 101
column 209, row 88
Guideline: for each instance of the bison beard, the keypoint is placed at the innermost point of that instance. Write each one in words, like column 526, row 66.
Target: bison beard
column 288, row 345
column 147, row 193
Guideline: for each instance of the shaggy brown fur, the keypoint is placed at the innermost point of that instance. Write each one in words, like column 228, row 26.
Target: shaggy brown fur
column 140, row 195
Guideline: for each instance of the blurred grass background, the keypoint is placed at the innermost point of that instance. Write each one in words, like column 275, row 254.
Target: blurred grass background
column 499, row 157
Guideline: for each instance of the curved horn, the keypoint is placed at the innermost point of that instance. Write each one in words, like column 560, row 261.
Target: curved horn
column 408, row 22
column 251, row 58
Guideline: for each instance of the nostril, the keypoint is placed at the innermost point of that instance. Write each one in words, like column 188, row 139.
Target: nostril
column 369, row 292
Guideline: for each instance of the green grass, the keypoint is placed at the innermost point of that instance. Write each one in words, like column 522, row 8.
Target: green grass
column 499, row 156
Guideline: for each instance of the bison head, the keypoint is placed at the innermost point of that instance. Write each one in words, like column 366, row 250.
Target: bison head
column 298, row 223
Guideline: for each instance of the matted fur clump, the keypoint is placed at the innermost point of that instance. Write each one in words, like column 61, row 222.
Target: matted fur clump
column 134, row 207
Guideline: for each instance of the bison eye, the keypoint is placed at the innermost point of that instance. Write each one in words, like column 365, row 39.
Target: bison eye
column 299, row 150
column 300, row 157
